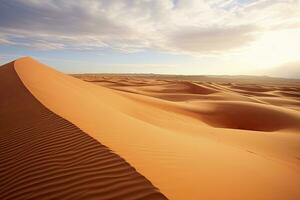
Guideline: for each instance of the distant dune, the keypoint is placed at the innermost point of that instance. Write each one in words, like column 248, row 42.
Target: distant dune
column 190, row 138
column 244, row 79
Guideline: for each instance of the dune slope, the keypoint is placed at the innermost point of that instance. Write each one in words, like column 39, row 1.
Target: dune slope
column 43, row 156
column 172, row 144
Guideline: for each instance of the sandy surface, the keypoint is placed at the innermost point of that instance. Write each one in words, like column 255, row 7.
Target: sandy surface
column 43, row 156
column 191, row 139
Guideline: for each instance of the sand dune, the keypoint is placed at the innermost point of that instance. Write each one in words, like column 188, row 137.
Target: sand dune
column 191, row 139
column 247, row 116
column 43, row 156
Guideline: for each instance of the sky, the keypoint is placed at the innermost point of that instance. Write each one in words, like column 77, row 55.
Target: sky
column 213, row 37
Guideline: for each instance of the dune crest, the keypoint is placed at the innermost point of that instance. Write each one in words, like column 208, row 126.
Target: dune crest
column 43, row 156
column 167, row 141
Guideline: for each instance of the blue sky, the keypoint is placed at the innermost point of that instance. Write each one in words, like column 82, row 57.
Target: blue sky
column 155, row 36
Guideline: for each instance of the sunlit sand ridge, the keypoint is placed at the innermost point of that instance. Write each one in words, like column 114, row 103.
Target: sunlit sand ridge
column 43, row 156
column 192, row 140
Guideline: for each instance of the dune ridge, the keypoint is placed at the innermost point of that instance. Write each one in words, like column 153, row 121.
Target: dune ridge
column 169, row 142
column 44, row 156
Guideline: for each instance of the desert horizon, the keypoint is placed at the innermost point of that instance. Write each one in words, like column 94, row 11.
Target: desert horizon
column 200, row 77
column 149, row 100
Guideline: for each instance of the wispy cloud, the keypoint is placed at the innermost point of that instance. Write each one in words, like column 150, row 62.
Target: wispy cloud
column 182, row 26
column 212, row 39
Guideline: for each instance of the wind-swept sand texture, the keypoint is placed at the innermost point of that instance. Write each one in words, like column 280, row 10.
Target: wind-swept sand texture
column 43, row 156
column 191, row 139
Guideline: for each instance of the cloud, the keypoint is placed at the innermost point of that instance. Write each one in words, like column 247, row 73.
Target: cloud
column 5, row 41
column 56, row 17
column 181, row 26
column 212, row 39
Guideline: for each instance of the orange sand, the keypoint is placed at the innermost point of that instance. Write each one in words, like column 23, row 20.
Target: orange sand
column 192, row 140
column 43, row 156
